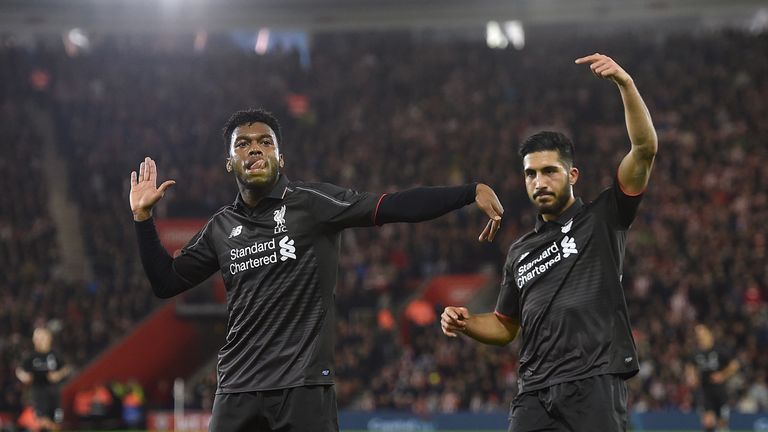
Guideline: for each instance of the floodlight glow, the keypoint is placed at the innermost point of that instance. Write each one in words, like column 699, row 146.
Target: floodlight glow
column 759, row 22
column 78, row 38
column 515, row 33
column 494, row 37
column 201, row 40
column 262, row 41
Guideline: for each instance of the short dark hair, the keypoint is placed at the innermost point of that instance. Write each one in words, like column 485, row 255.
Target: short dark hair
column 547, row 140
column 246, row 117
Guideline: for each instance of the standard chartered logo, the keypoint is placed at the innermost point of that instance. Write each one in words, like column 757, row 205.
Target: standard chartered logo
column 287, row 250
column 547, row 259
column 267, row 253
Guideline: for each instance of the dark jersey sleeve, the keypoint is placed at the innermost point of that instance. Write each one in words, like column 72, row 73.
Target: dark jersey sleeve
column 26, row 364
column 623, row 208
column 344, row 208
column 508, row 303
column 341, row 208
column 724, row 356
column 169, row 276
column 423, row 203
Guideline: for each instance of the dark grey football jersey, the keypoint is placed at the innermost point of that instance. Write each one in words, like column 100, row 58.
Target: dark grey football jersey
column 279, row 261
column 562, row 283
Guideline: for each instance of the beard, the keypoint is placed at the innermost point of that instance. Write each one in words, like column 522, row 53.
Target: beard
column 556, row 207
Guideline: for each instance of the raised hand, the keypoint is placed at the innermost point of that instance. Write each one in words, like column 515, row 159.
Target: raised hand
column 488, row 202
column 605, row 67
column 144, row 191
column 453, row 320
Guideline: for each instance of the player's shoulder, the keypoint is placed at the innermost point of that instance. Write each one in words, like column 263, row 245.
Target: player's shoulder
column 323, row 192
column 722, row 350
column 219, row 218
column 605, row 194
column 301, row 185
column 604, row 203
column 517, row 246
column 522, row 239
column 221, row 212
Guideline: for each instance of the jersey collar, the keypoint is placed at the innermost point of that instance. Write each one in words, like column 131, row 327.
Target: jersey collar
column 563, row 218
column 278, row 192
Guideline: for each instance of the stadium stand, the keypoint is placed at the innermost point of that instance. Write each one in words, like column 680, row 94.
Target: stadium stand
column 385, row 112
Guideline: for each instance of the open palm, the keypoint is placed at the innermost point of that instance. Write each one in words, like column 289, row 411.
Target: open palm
column 144, row 191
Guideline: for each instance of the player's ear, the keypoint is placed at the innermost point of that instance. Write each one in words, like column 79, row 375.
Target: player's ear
column 229, row 165
column 282, row 161
column 573, row 176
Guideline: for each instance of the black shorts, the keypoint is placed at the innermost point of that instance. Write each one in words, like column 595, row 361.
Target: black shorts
column 592, row 404
column 45, row 402
column 713, row 399
column 297, row 409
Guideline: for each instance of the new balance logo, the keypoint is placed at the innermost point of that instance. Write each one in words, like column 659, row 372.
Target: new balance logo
column 287, row 250
column 279, row 216
column 569, row 246
column 236, row 231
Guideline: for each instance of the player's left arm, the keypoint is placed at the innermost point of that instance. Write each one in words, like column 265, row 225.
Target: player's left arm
column 725, row 373
column 426, row 203
column 58, row 375
column 344, row 208
column 635, row 168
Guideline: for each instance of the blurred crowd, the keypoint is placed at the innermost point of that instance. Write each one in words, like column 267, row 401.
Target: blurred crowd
column 28, row 252
column 384, row 112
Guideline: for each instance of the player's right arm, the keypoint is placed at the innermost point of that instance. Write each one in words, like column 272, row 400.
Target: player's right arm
column 497, row 328
column 488, row 328
column 23, row 376
column 691, row 375
column 168, row 276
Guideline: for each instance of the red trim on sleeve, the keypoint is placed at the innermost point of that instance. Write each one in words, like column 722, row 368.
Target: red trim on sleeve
column 504, row 317
column 618, row 182
column 376, row 211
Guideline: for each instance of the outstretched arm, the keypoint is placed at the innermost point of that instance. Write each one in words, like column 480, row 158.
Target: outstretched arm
column 425, row 203
column 488, row 328
column 167, row 276
column 635, row 168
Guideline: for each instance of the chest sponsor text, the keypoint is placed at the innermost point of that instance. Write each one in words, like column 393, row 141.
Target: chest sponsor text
column 547, row 259
column 269, row 252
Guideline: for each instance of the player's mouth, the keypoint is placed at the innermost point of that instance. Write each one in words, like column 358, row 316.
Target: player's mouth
column 543, row 195
column 256, row 166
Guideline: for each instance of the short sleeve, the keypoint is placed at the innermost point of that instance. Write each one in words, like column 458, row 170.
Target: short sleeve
column 341, row 208
column 725, row 357
column 620, row 208
column 59, row 361
column 508, row 303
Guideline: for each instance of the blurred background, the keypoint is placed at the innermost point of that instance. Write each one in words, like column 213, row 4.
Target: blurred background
column 378, row 96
